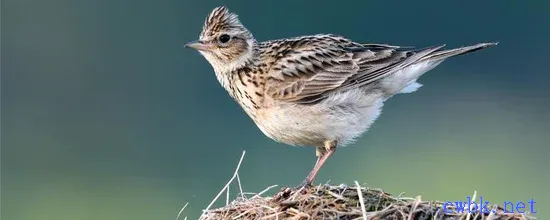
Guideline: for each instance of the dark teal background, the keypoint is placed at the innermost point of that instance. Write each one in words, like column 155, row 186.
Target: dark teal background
column 106, row 116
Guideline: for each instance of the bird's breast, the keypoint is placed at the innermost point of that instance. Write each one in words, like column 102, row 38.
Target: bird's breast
column 342, row 118
column 291, row 124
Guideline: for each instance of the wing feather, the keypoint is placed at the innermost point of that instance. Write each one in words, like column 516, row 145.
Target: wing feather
column 310, row 72
column 309, row 68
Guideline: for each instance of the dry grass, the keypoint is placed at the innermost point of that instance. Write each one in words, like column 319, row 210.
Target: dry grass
column 339, row 202
column 344, row 202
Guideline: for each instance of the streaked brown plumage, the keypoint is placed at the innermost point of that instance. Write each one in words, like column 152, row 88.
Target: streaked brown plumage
column 320, row 90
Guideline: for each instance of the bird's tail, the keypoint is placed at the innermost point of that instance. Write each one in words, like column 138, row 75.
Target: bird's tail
column 444, row 54
column 405, row 81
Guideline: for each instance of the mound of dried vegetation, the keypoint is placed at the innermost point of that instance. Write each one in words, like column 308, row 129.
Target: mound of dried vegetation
column 340, row 202
column 346, row 202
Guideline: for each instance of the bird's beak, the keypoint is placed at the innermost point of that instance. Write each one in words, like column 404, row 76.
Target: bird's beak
column 198, row 45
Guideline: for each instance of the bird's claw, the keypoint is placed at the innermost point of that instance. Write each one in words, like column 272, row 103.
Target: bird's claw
column 304, row 185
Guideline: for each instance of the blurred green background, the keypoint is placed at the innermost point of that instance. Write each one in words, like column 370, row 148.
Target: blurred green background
column 106, row 116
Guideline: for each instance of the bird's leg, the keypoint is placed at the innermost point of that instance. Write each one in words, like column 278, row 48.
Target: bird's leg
column 322, row 155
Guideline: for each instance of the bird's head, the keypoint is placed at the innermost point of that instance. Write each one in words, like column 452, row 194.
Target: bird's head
column 224, row 41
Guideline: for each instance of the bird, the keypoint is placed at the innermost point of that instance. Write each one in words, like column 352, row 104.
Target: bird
column 321, row 90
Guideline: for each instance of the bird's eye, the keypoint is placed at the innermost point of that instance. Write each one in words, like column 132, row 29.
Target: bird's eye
column 224, row 38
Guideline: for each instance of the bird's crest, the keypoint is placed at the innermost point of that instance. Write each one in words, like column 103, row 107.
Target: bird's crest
column 220, row 19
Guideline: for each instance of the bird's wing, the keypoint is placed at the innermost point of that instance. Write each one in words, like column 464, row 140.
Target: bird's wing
column 309, row 68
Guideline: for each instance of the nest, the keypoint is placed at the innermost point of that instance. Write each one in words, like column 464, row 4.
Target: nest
column 346, row 202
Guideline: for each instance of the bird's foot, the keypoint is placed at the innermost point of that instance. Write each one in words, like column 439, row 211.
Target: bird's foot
column 287, row 192
column 303, row 188
column 304, row 185
column 282, row 195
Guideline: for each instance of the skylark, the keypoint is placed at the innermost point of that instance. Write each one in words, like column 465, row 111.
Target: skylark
column 321, row 90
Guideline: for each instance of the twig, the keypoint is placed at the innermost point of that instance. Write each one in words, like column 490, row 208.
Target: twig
column 240, row 186
column 360, row 193
column 243, row 214
column 470, row 207
column 227, row 196
column 492, row 214
column 276, row 214
column 181, row 211
column 263, row 191
column 413, row 207
column 226, row 185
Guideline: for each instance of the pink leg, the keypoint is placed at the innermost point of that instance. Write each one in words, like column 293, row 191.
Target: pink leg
column 321, row 159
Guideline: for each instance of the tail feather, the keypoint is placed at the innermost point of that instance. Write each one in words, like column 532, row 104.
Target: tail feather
column 444, row 54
